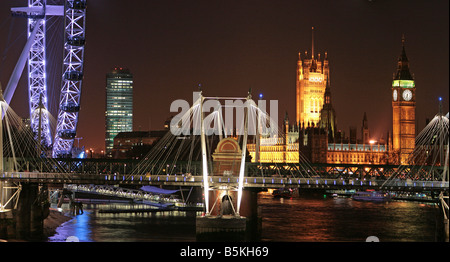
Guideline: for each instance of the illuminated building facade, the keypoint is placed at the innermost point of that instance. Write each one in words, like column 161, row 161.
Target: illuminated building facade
column 403, row 109
column 282, row 149
column 316, row 144
column 317, row 148
column 119, row 105
column 312, row 75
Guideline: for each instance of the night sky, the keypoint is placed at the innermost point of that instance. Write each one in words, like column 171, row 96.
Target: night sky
column 172, row 46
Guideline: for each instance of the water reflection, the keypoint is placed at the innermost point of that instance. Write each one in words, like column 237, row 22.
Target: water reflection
column 94, row 226
column 312, row 219
column 342, row 219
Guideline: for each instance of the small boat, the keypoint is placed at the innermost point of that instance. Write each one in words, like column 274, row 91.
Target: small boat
column 282, row 192
column 371, row 196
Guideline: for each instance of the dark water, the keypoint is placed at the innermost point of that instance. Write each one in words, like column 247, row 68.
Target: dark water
column 342, row 219
column 312, row 219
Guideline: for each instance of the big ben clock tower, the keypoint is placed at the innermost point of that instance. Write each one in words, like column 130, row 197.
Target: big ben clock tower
column 403, row 109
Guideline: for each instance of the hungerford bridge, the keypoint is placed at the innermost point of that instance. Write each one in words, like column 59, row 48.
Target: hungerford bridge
column 335, row 176
column 165, row 167
column 31, row 163
column 221, row 169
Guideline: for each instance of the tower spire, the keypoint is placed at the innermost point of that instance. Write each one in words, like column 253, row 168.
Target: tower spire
column 403, row 72
column 403, row 55
column 312, row 43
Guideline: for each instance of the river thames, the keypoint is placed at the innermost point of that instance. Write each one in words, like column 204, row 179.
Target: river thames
column 312, row 218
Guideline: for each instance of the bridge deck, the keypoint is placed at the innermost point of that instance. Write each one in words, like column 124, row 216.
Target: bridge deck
column 217, row 181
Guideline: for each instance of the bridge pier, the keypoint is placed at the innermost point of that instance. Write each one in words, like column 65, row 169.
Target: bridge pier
column 22, row 214
column 27, row 221
column 221, row 224
column 6, row 224
column 446, row 230
column 6, row 213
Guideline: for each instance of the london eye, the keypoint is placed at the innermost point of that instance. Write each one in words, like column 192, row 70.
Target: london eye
column 34, row 54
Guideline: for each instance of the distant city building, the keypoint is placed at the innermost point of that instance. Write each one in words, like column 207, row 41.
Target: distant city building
column 119, row 105
column 135, row 144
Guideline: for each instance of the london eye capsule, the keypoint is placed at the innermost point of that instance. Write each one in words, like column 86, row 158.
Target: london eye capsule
column 70, row 107
column 77, row 4
column 75, row 41
column 73, row 75
column 67, row 134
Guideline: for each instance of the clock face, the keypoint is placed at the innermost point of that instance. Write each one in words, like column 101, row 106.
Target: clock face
column 407, row 95
column 394, row 95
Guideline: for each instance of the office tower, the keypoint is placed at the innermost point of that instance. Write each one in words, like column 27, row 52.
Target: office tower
column 119, row 105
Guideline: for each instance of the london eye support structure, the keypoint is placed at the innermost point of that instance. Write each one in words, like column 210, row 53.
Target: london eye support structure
column 34, row 52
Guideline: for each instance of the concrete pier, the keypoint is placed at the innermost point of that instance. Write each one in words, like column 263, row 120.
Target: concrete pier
column 223, row 225
column 446, row 229
column 221, row 228
column 27, row 221
column 7, row 229
column 23, row 212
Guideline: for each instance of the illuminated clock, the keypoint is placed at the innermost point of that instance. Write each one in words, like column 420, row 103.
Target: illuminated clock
column 394, row 95
column 407, row 95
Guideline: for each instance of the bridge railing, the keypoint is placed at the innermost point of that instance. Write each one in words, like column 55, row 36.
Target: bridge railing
column 187, row 180
column 43, row 176
column 30, row 175
column 281, row 181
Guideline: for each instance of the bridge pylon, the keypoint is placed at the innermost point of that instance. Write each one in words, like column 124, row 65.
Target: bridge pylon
column 223, row 201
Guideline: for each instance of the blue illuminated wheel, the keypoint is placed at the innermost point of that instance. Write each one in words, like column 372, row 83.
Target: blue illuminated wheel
column 69, row 105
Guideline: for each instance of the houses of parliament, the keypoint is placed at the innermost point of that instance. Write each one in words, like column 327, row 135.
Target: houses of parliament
column 314, row 135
